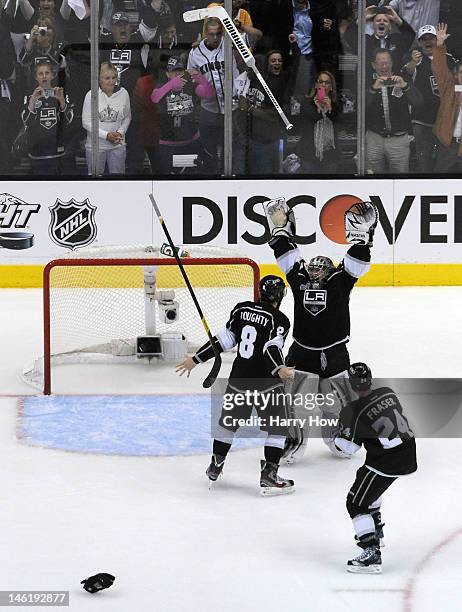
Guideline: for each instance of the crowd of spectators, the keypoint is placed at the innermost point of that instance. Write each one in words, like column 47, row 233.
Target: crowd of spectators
column 162, row 80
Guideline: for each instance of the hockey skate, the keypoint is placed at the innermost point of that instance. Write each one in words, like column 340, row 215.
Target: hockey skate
column 215, row 468
column 271, row 483
column 368, row 562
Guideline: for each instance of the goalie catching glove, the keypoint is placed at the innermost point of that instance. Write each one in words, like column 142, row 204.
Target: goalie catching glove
column 360, row 222
column 281, row 218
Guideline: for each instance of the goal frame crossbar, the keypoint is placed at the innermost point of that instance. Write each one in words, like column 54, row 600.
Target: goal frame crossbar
column 118, row 261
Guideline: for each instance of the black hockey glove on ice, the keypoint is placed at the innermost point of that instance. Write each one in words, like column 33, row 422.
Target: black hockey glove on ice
column 98, row 582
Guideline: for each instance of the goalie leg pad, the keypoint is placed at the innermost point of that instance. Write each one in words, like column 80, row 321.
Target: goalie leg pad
column 304, row 385
column 339, row 386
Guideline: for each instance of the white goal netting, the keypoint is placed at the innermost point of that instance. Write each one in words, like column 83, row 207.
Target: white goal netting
column 97, row 301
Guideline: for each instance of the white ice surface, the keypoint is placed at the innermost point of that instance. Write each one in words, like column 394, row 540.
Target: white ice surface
column 175, row 546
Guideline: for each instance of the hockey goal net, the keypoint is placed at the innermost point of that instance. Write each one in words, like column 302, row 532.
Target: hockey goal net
column 99, row 301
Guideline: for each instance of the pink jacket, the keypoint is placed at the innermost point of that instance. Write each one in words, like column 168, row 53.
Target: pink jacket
column 203, row 89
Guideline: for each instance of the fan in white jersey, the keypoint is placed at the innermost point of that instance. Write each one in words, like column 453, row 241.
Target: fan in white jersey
column 209, row 59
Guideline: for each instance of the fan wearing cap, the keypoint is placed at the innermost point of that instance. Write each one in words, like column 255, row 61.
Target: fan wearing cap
column 126, row 49
column 417, row 13
column 128, row 52
column 448, row 124
column 177, row 96
column 419, row 68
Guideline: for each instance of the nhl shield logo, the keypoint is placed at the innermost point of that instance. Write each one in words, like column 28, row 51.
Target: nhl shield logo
column 72, row 223
column 315, row 300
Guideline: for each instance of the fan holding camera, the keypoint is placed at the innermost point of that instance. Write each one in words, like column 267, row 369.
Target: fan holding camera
column 177, row 96
column 46, row 114
column 319, row 110
column 388, row 120
column 43, row 45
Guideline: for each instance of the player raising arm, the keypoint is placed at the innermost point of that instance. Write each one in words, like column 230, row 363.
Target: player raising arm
column 321, row 300
column 258, row 329
column 375, row 421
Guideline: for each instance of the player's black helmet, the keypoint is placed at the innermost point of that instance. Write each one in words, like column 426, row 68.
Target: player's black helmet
column 320, row 268
column 360, row 376
column 272, row 289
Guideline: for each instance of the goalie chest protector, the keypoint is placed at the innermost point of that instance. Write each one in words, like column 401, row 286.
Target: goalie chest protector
column 321, row 312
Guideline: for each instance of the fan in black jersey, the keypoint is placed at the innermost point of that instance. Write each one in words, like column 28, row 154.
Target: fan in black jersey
column 258, row 329
column 375, row 421
column 47, row 114
column 321, row 300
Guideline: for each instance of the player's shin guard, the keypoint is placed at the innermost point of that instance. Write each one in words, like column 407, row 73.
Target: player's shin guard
column 377, row 516
column 374, row 510
column 274, row 448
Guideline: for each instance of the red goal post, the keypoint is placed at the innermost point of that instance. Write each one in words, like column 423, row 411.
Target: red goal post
column 88, row 302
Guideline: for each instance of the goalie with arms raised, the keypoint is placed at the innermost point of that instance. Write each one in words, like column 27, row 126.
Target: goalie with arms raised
column 321, row 304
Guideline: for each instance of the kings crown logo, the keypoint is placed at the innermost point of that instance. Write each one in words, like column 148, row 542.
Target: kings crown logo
column 108, row 114
column 72, row 223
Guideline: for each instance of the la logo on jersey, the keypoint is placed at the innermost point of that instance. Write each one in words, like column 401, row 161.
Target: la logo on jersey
column 315, row 300
column 72, row 223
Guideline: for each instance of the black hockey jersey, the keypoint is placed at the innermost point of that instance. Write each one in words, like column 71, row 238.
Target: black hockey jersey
column 377, row 422
column 258, row 330
column 130, row 59
column 177, row 113
column 46, row 125
column 321, row 312
column 426, row 83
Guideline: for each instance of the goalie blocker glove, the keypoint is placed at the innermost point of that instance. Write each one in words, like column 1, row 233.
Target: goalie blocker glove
column 281, row 218
column 360, row 222
column 98, row 582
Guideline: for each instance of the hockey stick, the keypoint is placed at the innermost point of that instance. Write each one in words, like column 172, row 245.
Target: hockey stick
column 228, row 24
column 208, row 382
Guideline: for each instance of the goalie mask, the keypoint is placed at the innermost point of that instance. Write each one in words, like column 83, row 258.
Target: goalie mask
column 360, row 376
column 272, row 289
column 320, row 268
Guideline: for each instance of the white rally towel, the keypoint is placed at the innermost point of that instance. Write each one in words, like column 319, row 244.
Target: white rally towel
column 79, row 8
